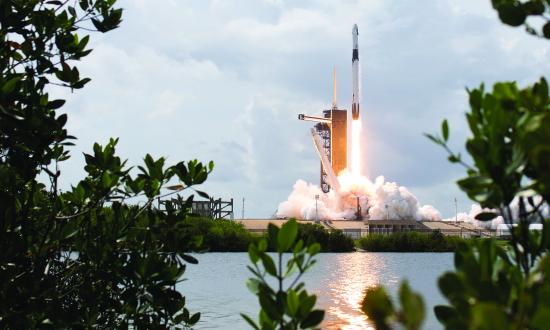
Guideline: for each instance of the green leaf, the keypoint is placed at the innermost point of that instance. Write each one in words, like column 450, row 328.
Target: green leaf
column 9, row 86
column 450, row 285
column 189, row 259
column 546, row 30
column 83, row 4
column 486, row 216
column 413, row 307
column 293, row 303
column 313, row 319
column 511, row 14
column 306, row 302
column 445, row 130
column 287, row 235
column 434, row 139
column 262, row 245
column 253, row 252
column 272, row 232
column 269, row 306
column 253, row 285
column 194, row 319
column 202, row 194
column 249, row 321
column 444, row 313
column 378, row 306
column 99, row 25
column 314, row 248
column 56, row 104
column 489, row 316
column 269, row 265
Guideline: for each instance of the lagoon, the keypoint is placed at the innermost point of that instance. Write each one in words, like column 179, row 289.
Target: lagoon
column 217, row 286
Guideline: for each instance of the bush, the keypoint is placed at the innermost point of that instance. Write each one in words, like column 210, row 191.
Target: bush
column 82, row 258
column 221, row 235
column 229, row 236
column 409, row 242
column 330, row 241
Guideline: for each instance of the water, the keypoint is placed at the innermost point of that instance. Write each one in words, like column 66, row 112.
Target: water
column 216, row 286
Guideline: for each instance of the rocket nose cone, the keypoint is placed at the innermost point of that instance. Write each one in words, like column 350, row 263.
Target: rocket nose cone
column 355, row 30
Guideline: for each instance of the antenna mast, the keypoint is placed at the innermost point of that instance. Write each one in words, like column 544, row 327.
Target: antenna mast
column 334, row 106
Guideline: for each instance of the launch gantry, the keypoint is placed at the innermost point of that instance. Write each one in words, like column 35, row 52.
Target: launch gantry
column 330, row 135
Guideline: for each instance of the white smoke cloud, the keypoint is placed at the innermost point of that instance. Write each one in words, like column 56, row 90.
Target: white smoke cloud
column 493, row 224
column 476, row 209
column 378, row 200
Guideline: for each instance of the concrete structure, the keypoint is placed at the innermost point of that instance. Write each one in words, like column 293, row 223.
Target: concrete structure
column 260, row 225
column 393, row 226
column 356, row 229
column 462, row 229
column 353, row 229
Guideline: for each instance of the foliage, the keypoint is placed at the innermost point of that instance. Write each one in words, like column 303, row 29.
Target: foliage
column 509, row 145
column 409, row 242
column 83, row 258
column 283, row 306
column 379, row 307
column 221, row 235
column 488, row 289
column 516, row 13
column 330, row 241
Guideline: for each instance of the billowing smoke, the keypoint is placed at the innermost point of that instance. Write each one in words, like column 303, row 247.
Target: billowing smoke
column 379, row 199
column 493, row 224
column 476, row 209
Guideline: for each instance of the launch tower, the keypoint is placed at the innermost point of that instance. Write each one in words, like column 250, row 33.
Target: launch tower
column 330, row 138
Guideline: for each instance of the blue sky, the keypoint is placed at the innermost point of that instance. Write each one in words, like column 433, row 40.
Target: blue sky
column 224, row 80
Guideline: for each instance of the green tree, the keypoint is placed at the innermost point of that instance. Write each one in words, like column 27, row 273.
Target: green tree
column 493, row 287
column 84, row 258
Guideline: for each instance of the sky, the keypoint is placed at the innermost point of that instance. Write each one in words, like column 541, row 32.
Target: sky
column 224, row 80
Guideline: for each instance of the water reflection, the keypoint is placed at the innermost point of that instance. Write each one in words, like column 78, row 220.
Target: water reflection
column 216, row 286
column 342, row 288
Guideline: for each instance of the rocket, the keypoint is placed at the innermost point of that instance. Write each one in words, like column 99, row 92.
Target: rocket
column 355, row 73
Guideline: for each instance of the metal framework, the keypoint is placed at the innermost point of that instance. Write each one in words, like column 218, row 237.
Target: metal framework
column 330, row 139
column 213, row 208
column 324, row 132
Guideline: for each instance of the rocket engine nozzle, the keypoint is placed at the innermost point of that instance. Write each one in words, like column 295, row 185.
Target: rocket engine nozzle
column 355, row 111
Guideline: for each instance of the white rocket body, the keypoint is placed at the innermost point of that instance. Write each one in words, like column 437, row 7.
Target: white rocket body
column 355, row 74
